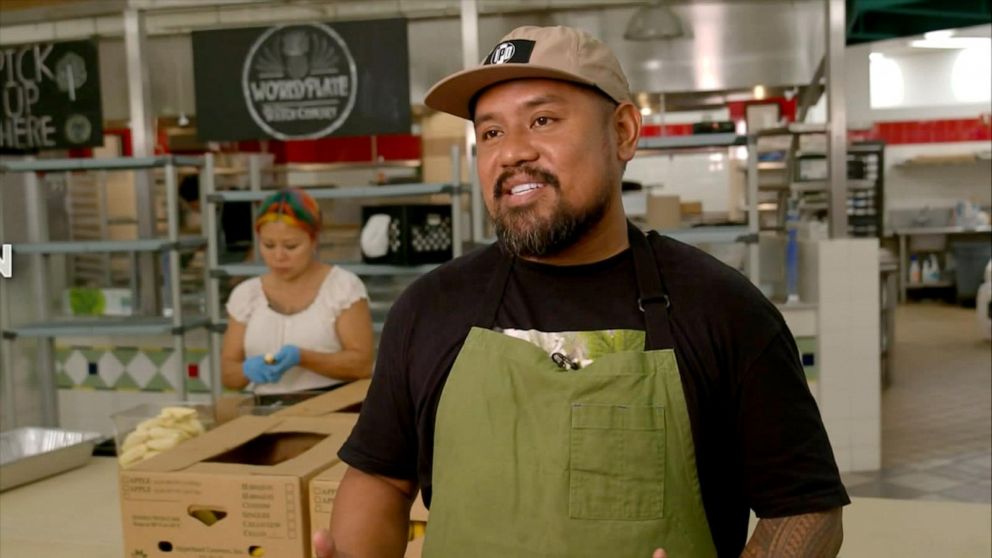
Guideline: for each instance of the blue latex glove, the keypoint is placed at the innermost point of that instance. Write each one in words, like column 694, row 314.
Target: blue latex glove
column 287, row 357
column 256, row 370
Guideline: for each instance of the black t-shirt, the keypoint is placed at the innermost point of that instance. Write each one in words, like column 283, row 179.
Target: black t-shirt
column 760, row 442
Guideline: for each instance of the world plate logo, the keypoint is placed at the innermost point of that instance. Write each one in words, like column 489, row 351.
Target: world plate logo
column 299, row 81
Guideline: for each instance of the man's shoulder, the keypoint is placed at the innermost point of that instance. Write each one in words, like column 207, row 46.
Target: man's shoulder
column 702, row 282
column 450, row 285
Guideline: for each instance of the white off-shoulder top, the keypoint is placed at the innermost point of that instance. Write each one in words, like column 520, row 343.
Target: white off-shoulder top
column 312, row 328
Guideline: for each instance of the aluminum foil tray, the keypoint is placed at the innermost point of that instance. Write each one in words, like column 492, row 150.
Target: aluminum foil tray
column 29, row 454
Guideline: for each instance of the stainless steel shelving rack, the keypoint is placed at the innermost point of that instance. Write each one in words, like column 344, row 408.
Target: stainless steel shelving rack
column 869, row 187
column 47, row 328
column 211, row 197
column 748, row 233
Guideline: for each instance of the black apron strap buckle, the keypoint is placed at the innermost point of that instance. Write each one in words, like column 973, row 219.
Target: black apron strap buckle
column 644, row 301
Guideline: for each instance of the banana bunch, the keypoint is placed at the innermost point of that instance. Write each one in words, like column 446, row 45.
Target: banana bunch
column 157, row 434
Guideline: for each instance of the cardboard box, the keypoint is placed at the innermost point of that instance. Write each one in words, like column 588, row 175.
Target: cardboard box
column 323, row 490
column 664, row 212
column 241, row 489
column 228, row 406
column 347, row 398
column 691, row 208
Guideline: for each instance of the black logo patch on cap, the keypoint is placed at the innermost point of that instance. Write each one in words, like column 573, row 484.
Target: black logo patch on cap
column 516, row 51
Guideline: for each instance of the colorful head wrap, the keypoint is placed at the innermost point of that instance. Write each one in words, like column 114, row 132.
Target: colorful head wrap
column 293, row 207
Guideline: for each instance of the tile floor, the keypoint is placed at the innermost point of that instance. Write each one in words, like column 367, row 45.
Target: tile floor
column 936, row 412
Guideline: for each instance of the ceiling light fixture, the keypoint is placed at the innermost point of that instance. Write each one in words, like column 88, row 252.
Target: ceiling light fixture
column 654, row 22
column 946, row 39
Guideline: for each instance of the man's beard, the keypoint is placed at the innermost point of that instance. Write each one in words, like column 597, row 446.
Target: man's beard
column 522, row 231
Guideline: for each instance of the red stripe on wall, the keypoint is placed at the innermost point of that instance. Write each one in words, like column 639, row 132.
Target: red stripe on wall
column 928, row 131
column 654, row 130
column 354, row 149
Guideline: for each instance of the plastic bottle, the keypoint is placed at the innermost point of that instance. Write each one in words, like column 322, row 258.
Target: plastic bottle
column 934, row 274
column 792, row 252
column 915, row 273
column 927, row 272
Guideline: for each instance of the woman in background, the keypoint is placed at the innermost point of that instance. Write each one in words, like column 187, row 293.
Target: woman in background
column 303, row 325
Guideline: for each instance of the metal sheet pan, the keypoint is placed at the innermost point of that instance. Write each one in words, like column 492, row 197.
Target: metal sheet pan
column 31, row 453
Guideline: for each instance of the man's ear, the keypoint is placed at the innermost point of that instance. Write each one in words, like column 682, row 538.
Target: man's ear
column 627, row 124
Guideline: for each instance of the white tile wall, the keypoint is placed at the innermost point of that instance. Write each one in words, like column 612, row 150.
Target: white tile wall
column 865, row 458
column 703, row 177
column 848, row 312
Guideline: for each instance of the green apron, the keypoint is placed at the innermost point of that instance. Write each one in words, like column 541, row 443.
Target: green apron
column 533, row 459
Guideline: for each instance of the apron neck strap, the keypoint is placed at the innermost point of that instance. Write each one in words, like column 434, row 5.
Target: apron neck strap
column 486, row 318
column 652, row 299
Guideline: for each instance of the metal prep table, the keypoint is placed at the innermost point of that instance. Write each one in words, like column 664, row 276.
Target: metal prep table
column 904, row 234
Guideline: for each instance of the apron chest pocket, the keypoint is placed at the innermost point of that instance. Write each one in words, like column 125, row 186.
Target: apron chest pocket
column 616, row 462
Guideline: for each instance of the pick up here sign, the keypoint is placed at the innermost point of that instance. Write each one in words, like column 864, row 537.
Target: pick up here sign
column 302, row 81
column 50, row 96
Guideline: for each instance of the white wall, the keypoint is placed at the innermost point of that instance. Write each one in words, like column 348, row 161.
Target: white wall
column 703, row 177
column 927, row 95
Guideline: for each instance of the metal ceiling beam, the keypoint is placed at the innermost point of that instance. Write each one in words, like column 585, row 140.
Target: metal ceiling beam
column 940, row 14
column 171, row 17
column 42, row 11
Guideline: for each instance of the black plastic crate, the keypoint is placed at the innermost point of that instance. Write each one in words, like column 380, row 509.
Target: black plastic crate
column 418, row 233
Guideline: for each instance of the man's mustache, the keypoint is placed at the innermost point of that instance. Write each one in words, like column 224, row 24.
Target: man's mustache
column 535, row 173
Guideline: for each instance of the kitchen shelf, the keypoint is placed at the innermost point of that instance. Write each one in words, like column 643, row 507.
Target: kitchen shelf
column 39, row 247
column 221, row 325
column 109, row 246
column 793, row 129
column 106, row 326
column 251, row 270
column 692, row 141
column 821, row 185
column 770, row 166
column 712, row 235
column 944, row 160
column 340, row 193
column 903, row 237
column 116, row 164
column 930, row 285
column 943, row 230
column 319, row 167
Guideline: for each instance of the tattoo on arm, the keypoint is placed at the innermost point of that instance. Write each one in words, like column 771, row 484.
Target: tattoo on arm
column 812, row 535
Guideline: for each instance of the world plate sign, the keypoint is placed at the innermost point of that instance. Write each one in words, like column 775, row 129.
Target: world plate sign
column 299, row 81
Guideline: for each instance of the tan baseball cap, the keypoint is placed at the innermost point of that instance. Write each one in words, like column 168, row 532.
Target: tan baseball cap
column 560, row 53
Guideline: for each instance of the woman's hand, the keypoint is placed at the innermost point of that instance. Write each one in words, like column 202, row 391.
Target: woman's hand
column 287, row 357
column 256, row 370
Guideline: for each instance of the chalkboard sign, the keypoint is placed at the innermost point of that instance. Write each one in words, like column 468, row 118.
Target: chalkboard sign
column 300, row 81
column 50, row 96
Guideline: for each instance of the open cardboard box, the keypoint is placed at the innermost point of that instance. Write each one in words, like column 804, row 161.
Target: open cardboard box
column 323, row 489
column 238, row 490
column 345, row 399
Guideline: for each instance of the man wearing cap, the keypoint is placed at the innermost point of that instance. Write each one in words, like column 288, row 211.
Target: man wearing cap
column 580, row 389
